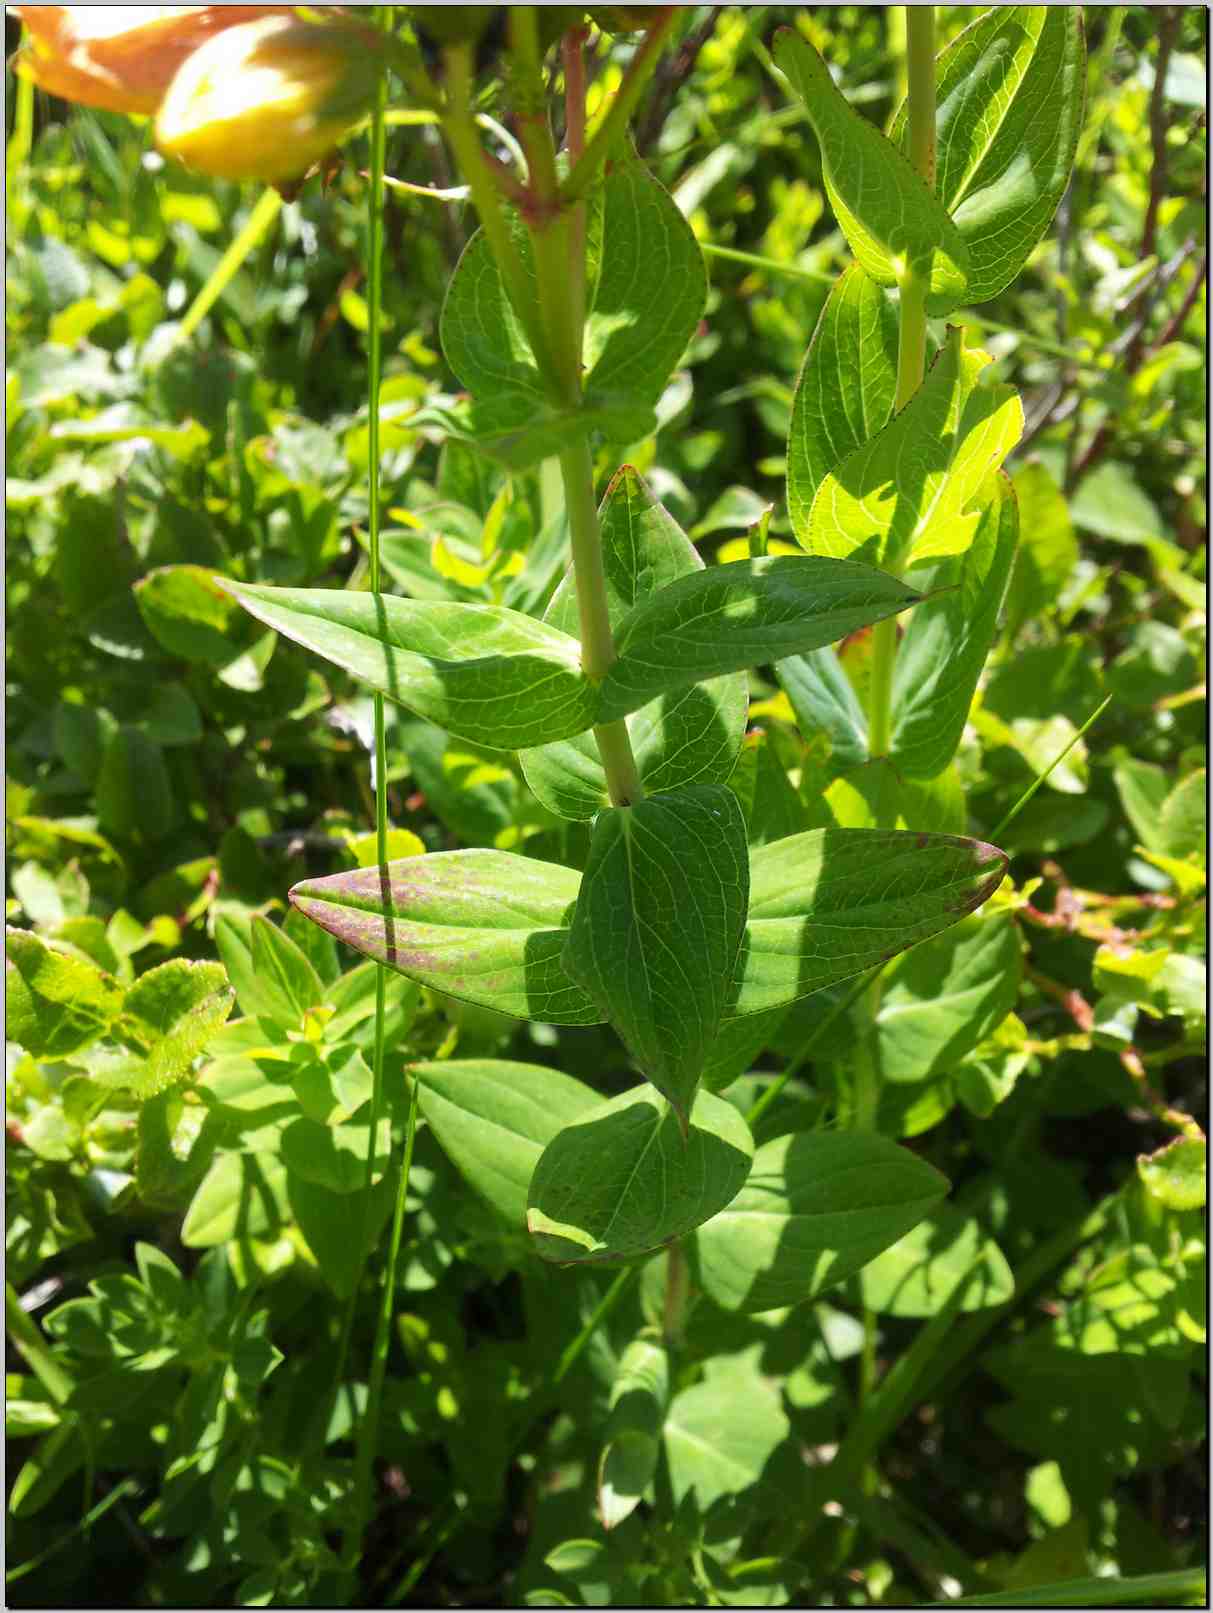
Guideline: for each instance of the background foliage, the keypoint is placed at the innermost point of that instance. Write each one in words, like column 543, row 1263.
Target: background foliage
column 182, row 1226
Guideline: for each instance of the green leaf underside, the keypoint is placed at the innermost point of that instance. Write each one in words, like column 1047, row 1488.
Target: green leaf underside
column 846, row 388
column 691, row 737
column 949, row 636
column 890, row 218
column 490, row 927
column 487, row 927
column 648, row 298
column 914, row 492
column 487, row 674
column 1010, row 92
column 824, row 700
column 494, row 1118
column 657, row 926
column 815, row 1208
column 623, row 1180
column 639, row 1397
column 748, row 613
column 829, row 903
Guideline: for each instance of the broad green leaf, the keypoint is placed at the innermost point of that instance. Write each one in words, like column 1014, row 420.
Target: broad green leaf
column 176, row 1143
column 876, row 796
column 171, row 1014
column 1048, row 549
column 241, row 1196
column 332, row 1223
column 825, row 702
column 816, row 1208
column 133, row 794
column 846, row 389
column 658, row 922
column 625, row 1178
column 1183, row 825
column 889, row 216
column 160, row 999
column 334, row 1157
column 482, row 336
column 488, row 674
column 916, row 1275
column 639, row 1397
column 1009, row 92
column 914, row 492
column 494, row 1118
column 829, row 903
column 948, row 638
column 691, row 737
column 946, row 996
column 1176, row 1175
column 55, row 1004
column 744, row 614
column 737, row 1044
column 651, row 290
column 488, row 927
column 720, row 1434
column 190, row 614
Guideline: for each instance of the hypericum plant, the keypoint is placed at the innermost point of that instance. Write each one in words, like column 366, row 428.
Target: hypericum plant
column 700, row 916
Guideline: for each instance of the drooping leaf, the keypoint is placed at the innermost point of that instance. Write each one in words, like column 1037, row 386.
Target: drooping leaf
column 816, row 1207
column 689, row 737
column 494, row 1118
column 1009, row 92
column 829, row 903
column 744, row 614
column 948, row 638
column 658, row 922
column 488, row 674
column 891, row 219
column 846, row 388
column 639, row 1397
column 913, row 492
column 488, row 927
column 623, row 1179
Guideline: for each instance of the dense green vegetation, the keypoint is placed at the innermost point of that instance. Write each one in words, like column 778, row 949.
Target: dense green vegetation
column 226, row 1239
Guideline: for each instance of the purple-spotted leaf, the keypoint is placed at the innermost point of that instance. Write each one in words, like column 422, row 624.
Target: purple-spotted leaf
column 485, row 926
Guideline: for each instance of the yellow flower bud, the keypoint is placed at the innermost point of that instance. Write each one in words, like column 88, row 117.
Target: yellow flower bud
column 120, row 58
column 267, row 99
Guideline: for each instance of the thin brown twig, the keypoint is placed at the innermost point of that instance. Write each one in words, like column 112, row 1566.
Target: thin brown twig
column 672, row 72
column 1168, row 30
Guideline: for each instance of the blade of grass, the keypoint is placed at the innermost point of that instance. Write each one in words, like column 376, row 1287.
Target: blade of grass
column 32, row 1564
column 1179, row 1585
column 1041, row 777
column 257, row 224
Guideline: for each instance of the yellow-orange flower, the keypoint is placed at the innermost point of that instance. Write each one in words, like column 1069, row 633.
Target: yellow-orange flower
column 267, row 99
column 120, row 58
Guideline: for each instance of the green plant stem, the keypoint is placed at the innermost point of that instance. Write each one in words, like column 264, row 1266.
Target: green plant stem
column 614, row 121
column 1147, row 1590
column 269, row 205
column 33, row 1348
column 573, row 1350
column 677, row 1291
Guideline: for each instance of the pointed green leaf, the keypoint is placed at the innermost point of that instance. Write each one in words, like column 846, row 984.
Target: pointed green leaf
column 55, row 1004
column 1010, row 93
column 623, row 1179
column 690, row 737
column 639, row 1397
column 494, row 1118
column 816, row 1208
column 651, row 291
column 912, row 493
column 825, row 702
column 744, row 614
column 888, row 215
column 658, row 922
column 284, row 974
column 334, row 1157
column 948, row 638
column 488, row 674
column 483, row 338
column 829, row 903
column 241, row 1196
column 846, row 388
column 485, row 926
column 916, row 1275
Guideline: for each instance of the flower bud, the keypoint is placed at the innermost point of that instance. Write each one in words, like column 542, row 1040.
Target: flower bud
column 267, row 99
column 120, row 58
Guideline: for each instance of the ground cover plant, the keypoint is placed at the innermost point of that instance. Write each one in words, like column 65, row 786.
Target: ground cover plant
column 606, row 789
